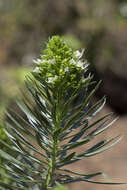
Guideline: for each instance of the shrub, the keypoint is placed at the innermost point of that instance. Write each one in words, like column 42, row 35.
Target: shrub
column 45, row 140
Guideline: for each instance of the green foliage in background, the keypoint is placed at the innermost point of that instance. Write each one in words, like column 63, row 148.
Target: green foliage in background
column 98, row 25
column 56, row 122
column 9, row 90
column 88, row 21
column 4, row 138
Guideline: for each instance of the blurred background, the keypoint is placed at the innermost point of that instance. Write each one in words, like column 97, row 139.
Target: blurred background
column 100, row 27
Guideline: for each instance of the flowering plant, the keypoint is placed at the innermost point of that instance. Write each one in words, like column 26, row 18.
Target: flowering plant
column 57, row 122
column 59, row 63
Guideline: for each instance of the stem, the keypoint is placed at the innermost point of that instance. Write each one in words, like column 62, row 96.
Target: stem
column 52, row 165
column 53, row 159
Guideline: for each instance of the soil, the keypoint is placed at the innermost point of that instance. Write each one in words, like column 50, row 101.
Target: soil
column 113, row 161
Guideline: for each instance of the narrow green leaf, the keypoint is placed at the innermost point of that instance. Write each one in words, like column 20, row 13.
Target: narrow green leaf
column 23, row 140
column 9, row 158
column 106, row 127
column 41, row 144
column 68, row 158
column 36, row 116
column 71, row 146
column 31, row 126
column 98, row 120
column 105, row 147
column 70, row 180
column 100, row 149
column 75, row 173
column 27, row 154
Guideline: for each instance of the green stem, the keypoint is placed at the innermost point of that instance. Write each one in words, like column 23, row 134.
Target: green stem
column 52, row 161
column 52, row 165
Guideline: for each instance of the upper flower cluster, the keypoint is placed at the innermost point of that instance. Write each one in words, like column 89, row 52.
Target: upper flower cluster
column 59, row 62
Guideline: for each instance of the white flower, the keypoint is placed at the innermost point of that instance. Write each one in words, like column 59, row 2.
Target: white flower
column 40, row 61
column 79, row 54
column 85, row 64
column 72, row 61
column 66, row 69
column 51, row 61
column 36, row 70
column 52, row 79
column 86, row 78
column 77, row 63
column 80, row 64
column 37, row 61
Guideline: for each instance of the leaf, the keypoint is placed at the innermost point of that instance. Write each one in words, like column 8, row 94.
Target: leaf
column 70, row 146
column 97, row 110
column 35, row 93
column 105, row 148
column 72, row 128
column 76, row 179
column 98, row 131
column 76, row 115
column 98, row 145
column 17, row 124
column 87, row 99
column 9, row 187
column 42, row 92
column 69, row 101
column 97, row 121
column 78, row 135
column 28, row 162
column 41, row 144
column 23, row 140
column 93, row 151
column 68, row 158
column 36, row 116
column 31, row 126
column 86, row 179
column 17, row 170
column 74, row 137
column 26, row 153
column 9, row 158
column 76, row 93
column 79, row 174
